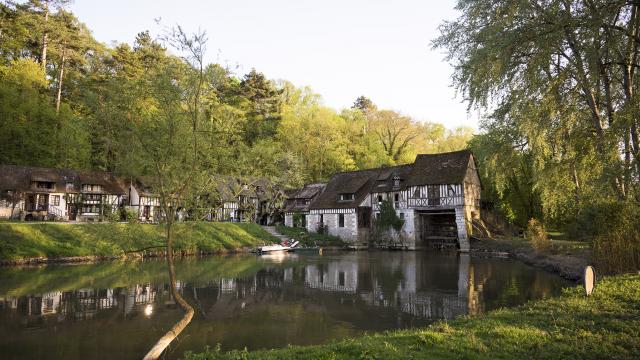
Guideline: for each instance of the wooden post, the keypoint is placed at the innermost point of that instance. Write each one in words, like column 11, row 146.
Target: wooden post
column 589, row 280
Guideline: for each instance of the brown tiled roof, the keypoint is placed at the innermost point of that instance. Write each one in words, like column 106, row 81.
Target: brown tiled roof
column 295, row 198
column 20, row 178
column 428, row 169
column 443, row 168
column 353, row 182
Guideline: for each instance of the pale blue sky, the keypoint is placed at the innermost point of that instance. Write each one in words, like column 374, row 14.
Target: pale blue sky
column 341, row 49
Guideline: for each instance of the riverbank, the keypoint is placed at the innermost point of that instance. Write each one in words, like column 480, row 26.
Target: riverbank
column 24, row 243
column 565, row 258
column 605, row 325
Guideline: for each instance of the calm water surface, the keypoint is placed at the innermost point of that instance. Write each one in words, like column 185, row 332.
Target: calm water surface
column 118, row 310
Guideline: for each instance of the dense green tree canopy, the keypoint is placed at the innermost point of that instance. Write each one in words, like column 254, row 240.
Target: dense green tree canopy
column 91, row 106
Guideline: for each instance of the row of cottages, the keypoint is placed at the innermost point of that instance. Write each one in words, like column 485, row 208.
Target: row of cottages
column 437, row 197
column 297, row 204
column 253, row 200
column 34, row 193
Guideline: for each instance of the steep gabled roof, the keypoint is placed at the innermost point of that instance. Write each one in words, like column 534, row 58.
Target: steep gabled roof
column 428, row 169
column 443, row 168
column 353, row 182
column 308, row 192
column 19, row 178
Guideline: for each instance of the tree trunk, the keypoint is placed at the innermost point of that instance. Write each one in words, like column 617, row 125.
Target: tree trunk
column 177, row 328
column 45, row 37
column 60, row 76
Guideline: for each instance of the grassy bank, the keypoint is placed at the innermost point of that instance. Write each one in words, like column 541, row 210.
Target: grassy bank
column 604, row 326
column 19, row 241
column 309, row 239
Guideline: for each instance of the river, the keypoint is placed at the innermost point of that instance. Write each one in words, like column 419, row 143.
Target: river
column 119, row 309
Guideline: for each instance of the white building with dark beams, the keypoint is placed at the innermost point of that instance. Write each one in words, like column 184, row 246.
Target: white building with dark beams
column 437, row 197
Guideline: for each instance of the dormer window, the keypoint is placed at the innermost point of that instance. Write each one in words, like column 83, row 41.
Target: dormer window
column 346, row 197
column 91, row 188
column 69, row 186
column 396, row 181
column 44, row 185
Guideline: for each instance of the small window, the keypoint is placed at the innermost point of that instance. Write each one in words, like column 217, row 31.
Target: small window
column 69, row 186
column 55, row 200
column 379, row 199
column 346, row 197
column 396, row 181
column 396, row 197
column 340, row 220
column 401, row 216
column 321, row 218
column 341, row 278
column 377, row 215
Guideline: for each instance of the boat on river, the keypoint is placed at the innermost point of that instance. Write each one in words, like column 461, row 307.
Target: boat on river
column 276, row 248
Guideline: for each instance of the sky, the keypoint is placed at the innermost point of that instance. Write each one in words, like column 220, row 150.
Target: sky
column 341, row 49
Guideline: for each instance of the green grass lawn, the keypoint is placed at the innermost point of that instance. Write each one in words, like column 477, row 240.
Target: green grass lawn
column 309, row 239
column 605, row 325
column 23, row 240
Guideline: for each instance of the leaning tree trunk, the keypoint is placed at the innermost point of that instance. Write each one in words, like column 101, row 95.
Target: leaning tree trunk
column 165, row 340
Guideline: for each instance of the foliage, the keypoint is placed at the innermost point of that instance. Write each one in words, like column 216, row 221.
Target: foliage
column 22, row 241
column 388, row 218
column 536, row 234
column 557, row 82
column 601, row 326
column 616, row 244
column 90, row 106
column 298, row 219
column 310, row 239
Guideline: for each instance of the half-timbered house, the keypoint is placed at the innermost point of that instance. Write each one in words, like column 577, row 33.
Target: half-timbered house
column 437, row 198
column 34, row 193
column 297, row 204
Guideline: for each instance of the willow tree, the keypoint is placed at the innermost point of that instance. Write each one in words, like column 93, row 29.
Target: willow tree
column 562, row 74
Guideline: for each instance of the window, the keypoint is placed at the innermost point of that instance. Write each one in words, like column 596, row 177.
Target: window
column 45, row 185
column 396, row 181
column 396, row 197
column 341, row 278
column 55, row 200
column 69, row 186
column 91, row 188
column 401, row 216
column 379, row 199
column 340, row 220
column 346, row 197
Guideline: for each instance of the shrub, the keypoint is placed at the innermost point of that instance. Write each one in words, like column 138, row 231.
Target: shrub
column 537, row 235
column 388, row 217
column 616, row 244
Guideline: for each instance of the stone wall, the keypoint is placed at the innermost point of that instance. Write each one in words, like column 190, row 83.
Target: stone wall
column 288, row 220
column 348, row 233
column 461, row 224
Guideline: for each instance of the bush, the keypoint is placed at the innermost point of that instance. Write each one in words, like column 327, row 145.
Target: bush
column 388, row 217
column 537, row 235
column 616, row 244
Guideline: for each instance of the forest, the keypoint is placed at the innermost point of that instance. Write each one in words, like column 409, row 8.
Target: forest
column 559, row 140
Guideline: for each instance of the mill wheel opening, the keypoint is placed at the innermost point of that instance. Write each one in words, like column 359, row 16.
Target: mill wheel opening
column 438, row 229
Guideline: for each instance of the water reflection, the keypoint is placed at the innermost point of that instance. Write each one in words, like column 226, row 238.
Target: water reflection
column 246, row 301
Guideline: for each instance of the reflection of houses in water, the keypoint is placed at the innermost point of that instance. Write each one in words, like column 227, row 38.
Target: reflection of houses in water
column 422, row 291
column 340, row 276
